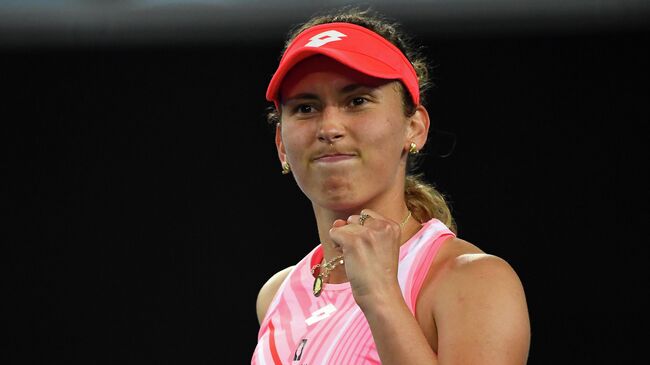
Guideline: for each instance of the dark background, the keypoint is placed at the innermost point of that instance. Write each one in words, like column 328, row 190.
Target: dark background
column 146, row 206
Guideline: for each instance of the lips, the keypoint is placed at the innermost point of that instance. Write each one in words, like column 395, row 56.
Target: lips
column 333, row 157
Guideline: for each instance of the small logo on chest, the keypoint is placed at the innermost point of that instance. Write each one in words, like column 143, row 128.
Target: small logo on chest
column 298, row 354
column 320, row 314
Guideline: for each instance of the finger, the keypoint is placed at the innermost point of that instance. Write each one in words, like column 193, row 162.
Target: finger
column 372, row 213
column 359, row 219
column 374, row 216
column 338, row 223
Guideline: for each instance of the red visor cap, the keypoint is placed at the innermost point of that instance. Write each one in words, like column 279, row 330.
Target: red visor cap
column 352, row 45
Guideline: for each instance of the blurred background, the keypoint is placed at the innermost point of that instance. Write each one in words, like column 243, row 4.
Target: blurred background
column 145, row 205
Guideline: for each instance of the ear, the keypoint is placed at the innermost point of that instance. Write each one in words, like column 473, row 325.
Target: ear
column 418, row 128
column 279, row 144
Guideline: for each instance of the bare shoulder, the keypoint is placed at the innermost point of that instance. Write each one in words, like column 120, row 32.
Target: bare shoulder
column 463, row 269
column 468, row 266
column 461, row 260
column 268, row 290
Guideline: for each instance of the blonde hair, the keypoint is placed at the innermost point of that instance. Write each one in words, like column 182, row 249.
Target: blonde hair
column 426, row 202
column 422, row 199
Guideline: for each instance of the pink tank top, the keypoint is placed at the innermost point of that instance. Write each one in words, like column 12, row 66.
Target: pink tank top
column 300, row 328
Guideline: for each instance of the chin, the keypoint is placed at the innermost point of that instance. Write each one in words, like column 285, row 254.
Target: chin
column 338, row 201
column 332, row 192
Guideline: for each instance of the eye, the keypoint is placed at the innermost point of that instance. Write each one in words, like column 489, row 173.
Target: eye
column 358, row 101
column 304, row 108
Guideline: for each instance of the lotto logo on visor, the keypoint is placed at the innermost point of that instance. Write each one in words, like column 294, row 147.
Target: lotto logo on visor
column 352, row 45
column 324, row 38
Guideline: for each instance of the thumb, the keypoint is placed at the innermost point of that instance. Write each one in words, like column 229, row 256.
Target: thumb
column 336, row 224
column 339, row 223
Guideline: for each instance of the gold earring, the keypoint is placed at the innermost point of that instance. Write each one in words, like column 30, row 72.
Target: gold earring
column 285, row 168
column 413, row 149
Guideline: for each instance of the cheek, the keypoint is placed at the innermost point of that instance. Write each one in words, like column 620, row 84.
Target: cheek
column 295, row 140
column 385, row 134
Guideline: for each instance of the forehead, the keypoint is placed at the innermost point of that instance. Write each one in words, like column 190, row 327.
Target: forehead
column 300, row 74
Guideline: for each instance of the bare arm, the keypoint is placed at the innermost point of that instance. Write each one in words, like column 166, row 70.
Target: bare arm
column 371, row 264
column 480, row 312
column 397, row 334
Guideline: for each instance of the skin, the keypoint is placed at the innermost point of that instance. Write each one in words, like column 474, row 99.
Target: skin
column 346, row 138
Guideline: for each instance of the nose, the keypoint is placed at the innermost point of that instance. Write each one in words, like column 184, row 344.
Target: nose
column 332, row 127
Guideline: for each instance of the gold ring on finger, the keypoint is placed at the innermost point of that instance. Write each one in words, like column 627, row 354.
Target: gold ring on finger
column 363, row 217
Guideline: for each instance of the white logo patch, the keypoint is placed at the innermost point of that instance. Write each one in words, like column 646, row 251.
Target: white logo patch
column 324, row 38
column 320, row 314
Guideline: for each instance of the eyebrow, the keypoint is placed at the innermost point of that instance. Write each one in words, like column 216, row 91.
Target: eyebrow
column 353, row 87
column 308, row 96
column 345, row 89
